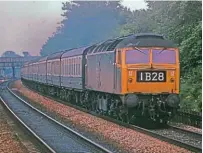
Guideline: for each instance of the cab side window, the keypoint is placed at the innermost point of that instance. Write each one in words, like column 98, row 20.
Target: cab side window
column 119, row 57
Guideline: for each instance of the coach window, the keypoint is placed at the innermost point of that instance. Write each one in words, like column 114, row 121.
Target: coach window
column 78, row 61
column 62, row 67
column 56, row 67
column 70, row 62
column 70, row 66
column 49, row 68
column 74, row 66
column 77, row 68
column 52, row 68
column 67, row 68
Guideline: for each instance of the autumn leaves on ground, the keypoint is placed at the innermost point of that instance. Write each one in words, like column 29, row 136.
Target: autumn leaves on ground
column 125, row 138
column 9, row 142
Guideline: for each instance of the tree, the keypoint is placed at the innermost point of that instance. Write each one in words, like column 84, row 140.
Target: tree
column 85, row 23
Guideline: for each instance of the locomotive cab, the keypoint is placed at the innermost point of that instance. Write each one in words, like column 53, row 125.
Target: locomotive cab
column 150, row 78
column 154, row 70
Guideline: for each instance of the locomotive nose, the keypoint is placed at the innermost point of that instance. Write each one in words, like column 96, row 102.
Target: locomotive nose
column 173, row 100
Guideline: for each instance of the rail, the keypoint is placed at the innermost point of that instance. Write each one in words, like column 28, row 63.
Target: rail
column 51, row 146
column 188, row 117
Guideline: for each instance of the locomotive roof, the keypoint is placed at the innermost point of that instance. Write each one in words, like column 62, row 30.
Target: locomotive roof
column 74, row 52
column 56, row 55
column 138, row 40
column 146, row 40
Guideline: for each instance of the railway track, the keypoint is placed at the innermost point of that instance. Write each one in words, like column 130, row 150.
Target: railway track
column 198, row 134
column 185, row 138
column 52, row 135
column 171, row 134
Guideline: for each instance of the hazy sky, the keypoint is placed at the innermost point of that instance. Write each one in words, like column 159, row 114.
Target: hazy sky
column 25, row 26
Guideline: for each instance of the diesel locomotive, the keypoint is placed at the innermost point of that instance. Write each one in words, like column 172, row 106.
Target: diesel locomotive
column 127, row 77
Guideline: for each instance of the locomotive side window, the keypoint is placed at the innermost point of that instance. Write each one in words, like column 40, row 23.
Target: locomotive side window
column 119, row 57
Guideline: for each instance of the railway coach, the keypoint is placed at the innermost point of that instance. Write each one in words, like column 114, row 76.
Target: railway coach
column 131, row 76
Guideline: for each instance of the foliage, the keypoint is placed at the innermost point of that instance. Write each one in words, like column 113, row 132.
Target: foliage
column 85, row 23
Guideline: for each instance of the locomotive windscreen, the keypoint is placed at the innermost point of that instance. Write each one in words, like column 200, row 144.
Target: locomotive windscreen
column 159, row 56
column 163, row 56
column 137, row 56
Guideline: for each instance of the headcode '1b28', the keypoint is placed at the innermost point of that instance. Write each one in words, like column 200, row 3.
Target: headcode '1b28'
column 151, row 76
